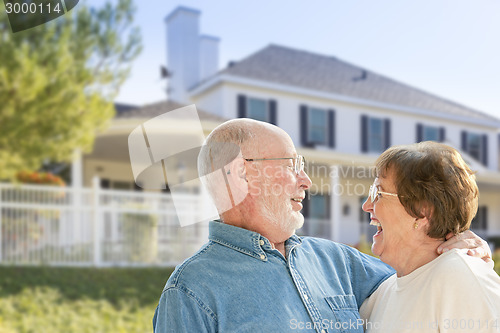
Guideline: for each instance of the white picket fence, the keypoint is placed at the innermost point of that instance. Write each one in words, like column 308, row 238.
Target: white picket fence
column 95, row 227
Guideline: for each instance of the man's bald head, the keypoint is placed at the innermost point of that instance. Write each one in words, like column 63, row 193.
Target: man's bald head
column 232, row 137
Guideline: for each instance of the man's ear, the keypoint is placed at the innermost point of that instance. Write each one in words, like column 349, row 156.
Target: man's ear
column 237, row 184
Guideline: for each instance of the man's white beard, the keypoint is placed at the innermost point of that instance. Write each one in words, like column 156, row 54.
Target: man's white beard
column 279, row 212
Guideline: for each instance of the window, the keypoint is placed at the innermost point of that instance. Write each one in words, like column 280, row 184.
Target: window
column 318, row 207
column 317, row 212
column 480, row 221
column 257, row 108
column 375, row 134
column 476, row 146
column 430, row 133
column 366, row 231
column 317, row 126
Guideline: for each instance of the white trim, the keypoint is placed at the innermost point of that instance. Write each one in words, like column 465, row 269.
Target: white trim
column 335, row 208
column 342, row 98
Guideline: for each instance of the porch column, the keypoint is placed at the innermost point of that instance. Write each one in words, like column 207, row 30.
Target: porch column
column 335, row 192
column 76, row 170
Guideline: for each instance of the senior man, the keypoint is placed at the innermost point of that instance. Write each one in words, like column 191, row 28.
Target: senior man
column 255, row 274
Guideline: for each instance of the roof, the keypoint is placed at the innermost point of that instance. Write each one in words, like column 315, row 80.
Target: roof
column 283, row 65
column 152, row 110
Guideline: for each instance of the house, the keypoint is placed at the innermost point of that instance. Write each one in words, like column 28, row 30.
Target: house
column 339, row 115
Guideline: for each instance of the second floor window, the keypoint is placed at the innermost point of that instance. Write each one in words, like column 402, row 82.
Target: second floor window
column 476, row 145
column 257, row 108
column 317, row 126
column 430, row 133
column 375, row 134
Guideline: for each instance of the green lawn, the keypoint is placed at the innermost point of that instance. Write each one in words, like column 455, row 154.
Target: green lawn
column 47, row 299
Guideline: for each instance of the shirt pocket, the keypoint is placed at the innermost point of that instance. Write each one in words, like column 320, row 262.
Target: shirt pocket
column 345, row 310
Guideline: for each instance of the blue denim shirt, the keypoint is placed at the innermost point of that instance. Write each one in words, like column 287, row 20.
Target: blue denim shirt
column 238, row 283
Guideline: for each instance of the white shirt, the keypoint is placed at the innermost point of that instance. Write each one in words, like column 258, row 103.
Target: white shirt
column 452, row 293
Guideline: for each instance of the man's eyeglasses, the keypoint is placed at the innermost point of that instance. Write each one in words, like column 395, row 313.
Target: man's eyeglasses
column 298, row 162
column 375, row 193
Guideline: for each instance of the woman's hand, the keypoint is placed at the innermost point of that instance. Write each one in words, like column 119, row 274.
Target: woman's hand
column 477, row 246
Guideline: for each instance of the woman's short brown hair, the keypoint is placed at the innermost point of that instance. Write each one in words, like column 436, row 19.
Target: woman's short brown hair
column 432, row 180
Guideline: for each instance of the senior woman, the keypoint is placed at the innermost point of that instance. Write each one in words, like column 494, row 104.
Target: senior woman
column 422, row 193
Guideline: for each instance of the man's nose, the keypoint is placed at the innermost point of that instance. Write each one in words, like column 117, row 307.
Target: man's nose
column 304, row 180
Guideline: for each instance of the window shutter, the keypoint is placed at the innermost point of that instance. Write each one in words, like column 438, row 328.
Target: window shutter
column 328, row 206
column 420, row 132
column 442, row 134
column 105, row 183
column 303, row 126
column 387, row 136
column 272, row 111
column 484, row 212
column 463, row 143
column 242, row 106
column 331, row 128
column 305, row 205
column 364, row 133
column 484, row 152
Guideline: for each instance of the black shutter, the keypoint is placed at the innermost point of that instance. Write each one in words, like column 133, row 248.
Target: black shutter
column 242, row 106
column 420, row 132
column 331, row 128
column 105, row 183
column 484, row 151
column 387, row 136
column 364, row 133
column 484, row 212
column 328, row 206
column 303, row 126
column 463, row 144
column 442, row 134
column 272, row 111
column 305, row 205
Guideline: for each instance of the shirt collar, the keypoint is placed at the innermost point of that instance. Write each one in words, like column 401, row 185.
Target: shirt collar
column 243, row 240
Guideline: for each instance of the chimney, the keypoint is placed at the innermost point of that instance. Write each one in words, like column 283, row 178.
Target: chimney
column 209, row 60
column 183, row 52
column 191, row 57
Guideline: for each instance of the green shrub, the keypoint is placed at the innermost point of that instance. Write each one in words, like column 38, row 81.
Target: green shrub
column 45, row 299
column 140, row 237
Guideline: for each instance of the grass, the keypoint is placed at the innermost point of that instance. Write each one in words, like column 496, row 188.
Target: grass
column 49, row 299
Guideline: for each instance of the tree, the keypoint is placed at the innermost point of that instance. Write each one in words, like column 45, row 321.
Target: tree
column 58, row 82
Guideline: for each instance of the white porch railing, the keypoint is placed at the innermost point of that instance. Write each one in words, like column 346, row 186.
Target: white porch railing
column 94, row 227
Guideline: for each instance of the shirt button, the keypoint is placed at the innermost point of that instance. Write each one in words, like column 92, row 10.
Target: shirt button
column 262, row 257
column 261, row 242
column 323, row 331
column 305, row 297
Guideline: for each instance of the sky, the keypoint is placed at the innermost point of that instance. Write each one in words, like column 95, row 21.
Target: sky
column 450, row 48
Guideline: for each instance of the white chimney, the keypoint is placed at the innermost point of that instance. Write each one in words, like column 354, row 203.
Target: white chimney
column 209, row 60
column 183, row 52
